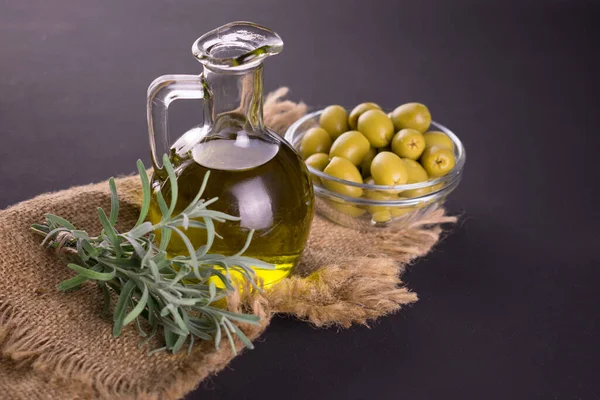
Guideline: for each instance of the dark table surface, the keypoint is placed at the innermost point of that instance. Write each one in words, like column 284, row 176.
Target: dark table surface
column 509, row 301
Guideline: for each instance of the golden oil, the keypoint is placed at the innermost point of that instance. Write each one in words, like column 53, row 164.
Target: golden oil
column 262, row 181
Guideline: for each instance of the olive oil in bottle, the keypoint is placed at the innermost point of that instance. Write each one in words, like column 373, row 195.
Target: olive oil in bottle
column 262, row 182
column 255, row 174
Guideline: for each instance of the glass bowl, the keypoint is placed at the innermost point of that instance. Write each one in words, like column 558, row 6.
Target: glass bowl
column 367, row 211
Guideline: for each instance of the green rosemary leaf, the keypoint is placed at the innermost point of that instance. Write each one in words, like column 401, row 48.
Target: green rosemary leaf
column 202, row 205
column 164, row 232
column 151, row 308
column 91, row 274
column 191, row 345
column 204, row 322
column 179, row 343
column 154, row 270
column 252, row 262
column 145, row 192
column 71, row 283
column 140, row 230
column 133, row 314
column 41, row 229
column 231, row 342
column 245, row 318
column 59, row 221
column 110, row 232
column 160, row 258
column 173, row 181
column 194, row 202
column 212, row 289
column 214, row 215
column 198, row 294
column 165, row 238
column 91, row 250
column 192, row 224
column 217, row 335
column 80, row 252
column 183, row 271
column 146, row 259
column 172, row 326
column 210, row 236
column 157, row 350
column 139, row 250
column 246, row 245
column 121, row 307
column 188, row 245
column 114, row 201
column 201, row 252
column 240, row 334
column 169, row 338
column 226, row 281
column 77, row 234
column 148, row 336
column 178, row 301
column 195, row 331
column 139, row 328
column 178, row 318
column 164, row 209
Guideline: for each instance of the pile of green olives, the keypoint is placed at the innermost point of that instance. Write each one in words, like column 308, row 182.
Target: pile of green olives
column 370, row 146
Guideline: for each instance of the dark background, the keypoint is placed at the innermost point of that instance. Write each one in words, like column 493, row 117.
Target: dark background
column 509, row 301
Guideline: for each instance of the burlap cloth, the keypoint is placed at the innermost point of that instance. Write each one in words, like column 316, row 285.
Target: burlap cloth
column 55, row 345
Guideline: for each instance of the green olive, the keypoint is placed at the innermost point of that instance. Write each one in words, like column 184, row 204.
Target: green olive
column 437, row 187
column 381, row 216
column 358, row 111
column 351, row 145
column 408, row 143
column 334, row 120
column 348, row 209
column 416, row 173
column 365, row 164
column 437, row 161
column 315, row 140
column 436, row 138
column 318, row 161
column 399, row 211
column 389, row 169
column 377, row 127
column 412, row 116
column 377, row 195
column 381, row 196
column 341, row 168
column 369, row 181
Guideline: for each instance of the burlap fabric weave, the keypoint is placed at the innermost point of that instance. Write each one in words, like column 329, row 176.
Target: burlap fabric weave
column 55, row 345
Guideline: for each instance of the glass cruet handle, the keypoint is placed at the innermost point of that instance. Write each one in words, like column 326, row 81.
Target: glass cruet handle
column 161, row 93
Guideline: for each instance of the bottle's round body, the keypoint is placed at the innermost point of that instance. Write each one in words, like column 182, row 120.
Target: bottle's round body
column 264, row 182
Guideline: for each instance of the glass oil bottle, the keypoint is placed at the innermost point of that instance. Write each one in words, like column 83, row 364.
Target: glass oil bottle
column 255, row 174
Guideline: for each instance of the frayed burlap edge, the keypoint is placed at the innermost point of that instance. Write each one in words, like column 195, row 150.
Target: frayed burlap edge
column 363, row 288
column 69, row 374
column 338, row 292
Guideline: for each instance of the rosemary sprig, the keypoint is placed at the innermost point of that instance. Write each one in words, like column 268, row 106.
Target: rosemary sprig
column 177, row 293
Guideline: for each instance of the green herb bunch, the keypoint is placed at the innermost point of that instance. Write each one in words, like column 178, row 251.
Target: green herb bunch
column 175, row 294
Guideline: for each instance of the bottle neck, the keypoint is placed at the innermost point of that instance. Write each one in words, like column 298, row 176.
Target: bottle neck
column 237, row 96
